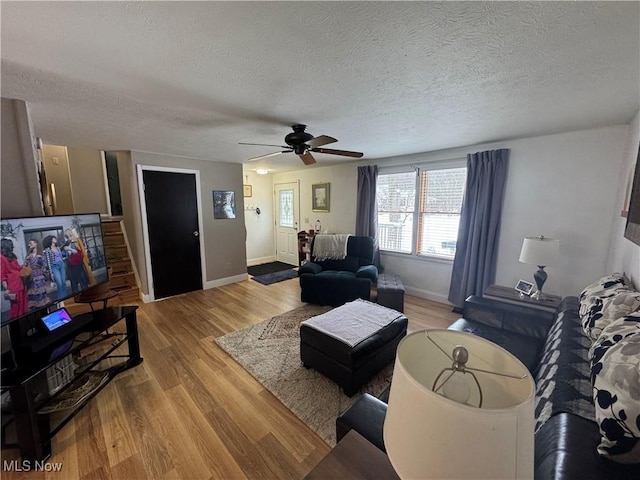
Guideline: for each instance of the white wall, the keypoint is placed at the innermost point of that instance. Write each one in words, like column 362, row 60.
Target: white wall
column 564, row 186
column 18, row 162
column 624, row 255
column 56, row 165
column 341, row 217
column 260, row 232
column 86, row 170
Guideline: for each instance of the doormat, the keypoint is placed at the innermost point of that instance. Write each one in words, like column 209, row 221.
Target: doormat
column 265, row 268
column 276, row 277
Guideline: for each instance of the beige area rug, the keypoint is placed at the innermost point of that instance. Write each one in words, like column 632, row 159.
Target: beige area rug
column 270, row 351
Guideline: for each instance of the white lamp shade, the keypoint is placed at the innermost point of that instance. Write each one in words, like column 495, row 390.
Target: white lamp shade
column 540, row 251
column 429, row 436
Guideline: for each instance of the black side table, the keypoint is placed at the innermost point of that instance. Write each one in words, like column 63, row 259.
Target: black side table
column 549, row 303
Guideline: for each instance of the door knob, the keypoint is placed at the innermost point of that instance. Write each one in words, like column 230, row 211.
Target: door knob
column 196, row 233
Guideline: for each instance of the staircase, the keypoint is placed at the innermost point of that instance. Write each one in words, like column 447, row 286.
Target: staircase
column 122, row 279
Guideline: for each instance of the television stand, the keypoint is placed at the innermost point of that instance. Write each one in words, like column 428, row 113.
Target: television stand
column 41, row 404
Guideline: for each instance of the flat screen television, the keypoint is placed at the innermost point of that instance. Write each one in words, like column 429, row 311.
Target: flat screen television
column 57, row 257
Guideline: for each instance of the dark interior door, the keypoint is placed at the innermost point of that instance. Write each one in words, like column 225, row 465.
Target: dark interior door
column 172, row 220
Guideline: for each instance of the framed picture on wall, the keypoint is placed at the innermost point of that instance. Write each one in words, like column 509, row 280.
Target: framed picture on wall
column 224, row 204
column 320, row 197
column 632, row 230
column 247, row 190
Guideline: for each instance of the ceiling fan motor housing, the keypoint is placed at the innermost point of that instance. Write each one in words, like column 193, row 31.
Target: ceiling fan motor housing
column 298, row 137
column 300, row 149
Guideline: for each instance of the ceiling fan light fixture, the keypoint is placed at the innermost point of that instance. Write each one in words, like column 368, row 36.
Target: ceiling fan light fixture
column 302, row 144
column 262, row 171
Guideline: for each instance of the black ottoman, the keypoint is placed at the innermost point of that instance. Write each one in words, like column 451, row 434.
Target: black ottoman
column 390, row 291
column 351, row 367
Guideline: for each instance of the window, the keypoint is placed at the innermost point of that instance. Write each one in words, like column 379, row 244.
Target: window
column 437, row 194
column 396, row 198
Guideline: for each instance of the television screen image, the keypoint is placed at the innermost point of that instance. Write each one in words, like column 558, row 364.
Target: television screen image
column 56, row 319
column 48, row 259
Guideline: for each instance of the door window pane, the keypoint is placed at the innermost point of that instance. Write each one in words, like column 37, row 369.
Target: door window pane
column 286, row 208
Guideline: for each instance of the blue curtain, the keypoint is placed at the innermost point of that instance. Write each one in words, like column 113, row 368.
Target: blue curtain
column 367, row 208
column 474, row 265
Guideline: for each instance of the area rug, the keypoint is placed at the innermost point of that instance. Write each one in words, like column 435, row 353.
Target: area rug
column 270, row 351
column 272, row 267
column 276, row 277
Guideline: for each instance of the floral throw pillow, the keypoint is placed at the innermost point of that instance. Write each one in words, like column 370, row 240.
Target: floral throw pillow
column 615, row 373
column 608, row 282
column 602, row 311
column 607, row 286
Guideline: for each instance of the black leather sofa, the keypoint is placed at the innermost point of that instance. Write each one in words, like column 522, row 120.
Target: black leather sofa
column 335, row 282
column 566, row 438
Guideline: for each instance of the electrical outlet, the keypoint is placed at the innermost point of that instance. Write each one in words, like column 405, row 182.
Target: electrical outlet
column 306, row 220
column 55, row 160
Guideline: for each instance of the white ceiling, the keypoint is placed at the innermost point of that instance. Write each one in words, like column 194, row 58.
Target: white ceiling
column 386, row 78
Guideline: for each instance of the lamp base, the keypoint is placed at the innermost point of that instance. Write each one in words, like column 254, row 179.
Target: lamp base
column 540, row 276
column 538, row 295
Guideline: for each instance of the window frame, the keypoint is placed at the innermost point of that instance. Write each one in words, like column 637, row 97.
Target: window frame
column 417, row 168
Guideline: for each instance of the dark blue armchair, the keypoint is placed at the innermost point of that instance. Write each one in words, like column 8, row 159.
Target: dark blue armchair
column 334, row 282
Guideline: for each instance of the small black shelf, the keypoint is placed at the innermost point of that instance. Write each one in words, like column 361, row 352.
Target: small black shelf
column 35, row 356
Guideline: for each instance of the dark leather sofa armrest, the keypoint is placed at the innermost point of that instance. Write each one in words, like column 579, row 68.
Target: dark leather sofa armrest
column 309, row 267
column 565, row 448
column 368, row 271
column 366, row 416
column 518, row 319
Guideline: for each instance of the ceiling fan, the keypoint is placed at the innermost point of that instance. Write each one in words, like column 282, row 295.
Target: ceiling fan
column 302, row 144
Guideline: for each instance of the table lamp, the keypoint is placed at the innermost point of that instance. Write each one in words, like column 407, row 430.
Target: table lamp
column 540, row 251
column 459, row 407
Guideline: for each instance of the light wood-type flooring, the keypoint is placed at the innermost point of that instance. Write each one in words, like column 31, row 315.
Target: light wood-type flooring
column 189, row 411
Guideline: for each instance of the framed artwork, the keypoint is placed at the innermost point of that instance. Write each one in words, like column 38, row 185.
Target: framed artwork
column 224, row 204
column 247, row 190
column 320, row 197
column 632, row 230
column 524, row 287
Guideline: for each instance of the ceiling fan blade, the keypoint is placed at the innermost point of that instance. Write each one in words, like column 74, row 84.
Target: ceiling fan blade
column 253, row 159
column 307, row 158
column 321, row 140
column 344, row 153
column 263, row 145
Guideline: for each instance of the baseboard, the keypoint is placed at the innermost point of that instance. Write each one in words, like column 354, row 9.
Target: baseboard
column 418, row 292
column 146, row 298
column 225, row 281
column 259, row 261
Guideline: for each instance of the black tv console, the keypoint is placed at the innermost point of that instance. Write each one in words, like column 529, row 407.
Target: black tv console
column 38, row 413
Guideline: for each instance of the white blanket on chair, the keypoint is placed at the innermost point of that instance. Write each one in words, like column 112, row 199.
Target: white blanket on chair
column 330, row 247
column 353, row 322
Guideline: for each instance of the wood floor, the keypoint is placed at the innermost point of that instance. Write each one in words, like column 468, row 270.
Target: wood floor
column 189, row 411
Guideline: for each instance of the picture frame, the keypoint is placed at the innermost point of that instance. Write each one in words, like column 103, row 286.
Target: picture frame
column 632, row 229
column 247, row 190
column 224, row 204
column 320, row 197
column 524, row 287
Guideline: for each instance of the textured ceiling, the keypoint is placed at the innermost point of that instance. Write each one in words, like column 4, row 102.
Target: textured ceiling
column 385, row 78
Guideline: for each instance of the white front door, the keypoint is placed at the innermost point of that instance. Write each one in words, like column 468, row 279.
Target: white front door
column 287, row 202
